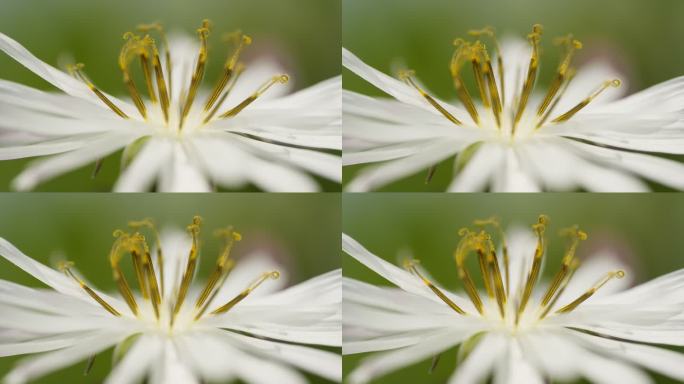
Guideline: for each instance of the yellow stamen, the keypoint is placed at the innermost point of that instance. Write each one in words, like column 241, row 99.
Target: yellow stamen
column 534, row 39
column 167, row 54
column 407, row 76
column 66, row 268
column 561, row 73
column 76, row 70
column 490, row 33
column 475, row 55
column 198, row 74
column 242, row 295
column 573, row 267
column 228, row 71
column 223, row 265
column 461, row 55
column 576, row 236
column 494, row 222
column 467, row 244
column 119, row 247
column 611, row 275
column 238, row 71
column 282, row 79
column 133, row 47
column 148, row 223
column 567, row 115
column 194, row 230
column 539, row 228
column 570, row 75
column 410, row 265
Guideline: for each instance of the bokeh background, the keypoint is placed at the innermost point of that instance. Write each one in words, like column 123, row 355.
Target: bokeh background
column 301, row 230
column 640, row 37
column 303, row 34
column 643, row 229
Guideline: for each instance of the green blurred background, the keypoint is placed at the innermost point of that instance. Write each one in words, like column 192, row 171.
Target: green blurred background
column 645, row 229
column 302, row 34
column 301, row 230
column 643, row 38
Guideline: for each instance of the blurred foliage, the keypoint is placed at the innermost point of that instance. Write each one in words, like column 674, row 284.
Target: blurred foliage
column 303, row 34
column 639, row 37
column 301, row 230
column 644, row 229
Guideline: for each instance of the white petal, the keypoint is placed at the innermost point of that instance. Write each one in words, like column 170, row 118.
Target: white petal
column 514, row 177
column 480, row 361
column 182, row 173
column 660, row 360
column 320, row 290
column 387, row 84
column 322, row 363
column 273, row 177
column 41, row 149
column 661, row 170
column 386, row 362
column 515, row 369
column 374, row 177
column 170, row 369
column 224, row 161
column 325, row 95
column 142, row 172
column 136, row 362
column 478, row 171
column 45, row 169
column 36, row 367
column 249, row 268
column 54, row 76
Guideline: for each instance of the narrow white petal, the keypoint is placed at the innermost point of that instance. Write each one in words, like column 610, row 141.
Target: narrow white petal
column 136, row 362
column 479, row 170
column 660, row 360
column 661, row 170
column 322, row 363
column 480, row 361
column 140, row 175
column 54, row 76
column 36, row 367
column 45, row 169
column 386, row 362
column 182, row 173
column 273, row 177
column 41, row 149
column 377, row 176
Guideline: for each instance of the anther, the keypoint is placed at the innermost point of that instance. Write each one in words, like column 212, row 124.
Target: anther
column 273, row 275
column 407, row 77
column 575, row 235
column 539, row 229
column 567, row 115
column 467, row 244
column 198, row 74
column 194, row 230
column 410, row 265
column 528, row 86
column 65, row 266
column 611, row 275
column 282, row 79
column 459, row 57
column 76, row 70
column 561, row 73
column 228, row 70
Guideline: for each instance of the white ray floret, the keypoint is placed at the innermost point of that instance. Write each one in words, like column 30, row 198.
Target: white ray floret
column 583, row 323
column 242, row 323
column 576, row 134
column 176, row 136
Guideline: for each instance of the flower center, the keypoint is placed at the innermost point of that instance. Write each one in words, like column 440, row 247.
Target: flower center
column 506, row 116
column 159, row 86
column 166, row 306
column 512, row 304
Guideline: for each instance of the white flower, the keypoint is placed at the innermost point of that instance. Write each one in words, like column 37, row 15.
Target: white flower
column 578, row 133
column 174, row 331
column 517, row 330
column 177, row 136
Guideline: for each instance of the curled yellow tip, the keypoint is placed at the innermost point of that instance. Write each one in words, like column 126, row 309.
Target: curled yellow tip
column 63, row 265
column 237, row 236
column 275, row 275
column 406, row 73
column 463, row 231
column 457, row 42
column 282, row 79
column 615, row 83
column 487, row 31
column 118, row 233
column 577, row 44
column 620, row 274
column 246, row 40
